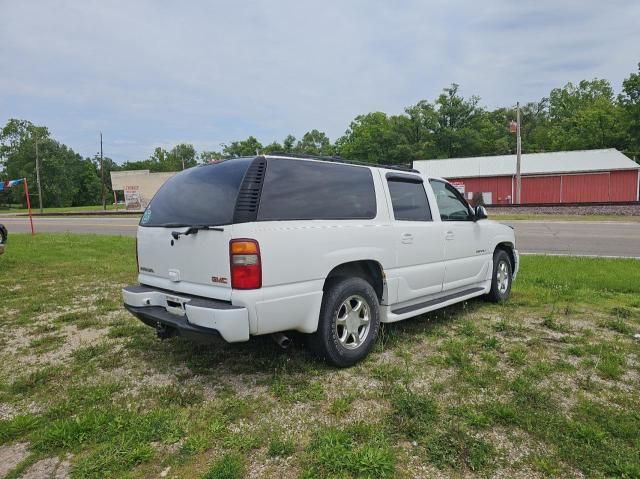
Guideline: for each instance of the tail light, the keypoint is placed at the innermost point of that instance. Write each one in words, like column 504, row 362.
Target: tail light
column 246, row 267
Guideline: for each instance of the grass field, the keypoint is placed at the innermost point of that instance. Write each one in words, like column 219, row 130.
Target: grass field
column 70, row 209
column 545, row 385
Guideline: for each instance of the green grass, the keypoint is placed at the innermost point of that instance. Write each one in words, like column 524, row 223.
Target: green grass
column 66, row 209
column 231, row 466
column 279, row 447
column 357, row 451
column 552, row 374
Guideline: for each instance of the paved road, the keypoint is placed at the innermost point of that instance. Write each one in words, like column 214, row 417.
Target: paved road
column 117, row 225
column 597, row 238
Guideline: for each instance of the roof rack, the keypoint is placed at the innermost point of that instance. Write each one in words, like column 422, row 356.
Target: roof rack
column 339, row 159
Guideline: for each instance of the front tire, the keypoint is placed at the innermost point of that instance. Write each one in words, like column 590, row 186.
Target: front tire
column 502, row 277
column 349, row 322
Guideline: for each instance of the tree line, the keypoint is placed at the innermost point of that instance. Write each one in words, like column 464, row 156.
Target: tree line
column 581, row 116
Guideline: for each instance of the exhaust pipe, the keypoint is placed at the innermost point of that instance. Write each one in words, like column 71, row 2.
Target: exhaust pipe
column 165, row 332
column 281, row 340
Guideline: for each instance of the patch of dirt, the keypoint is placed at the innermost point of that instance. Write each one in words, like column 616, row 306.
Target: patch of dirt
column 349, row 381
column 11, row 455
column 15, row 338
column 49, row 468
column 371, row 411
column 244, row 385
column 168, row 448
column 415, row 468
column 74, row 338
column 522, row 472
column 515, row 445
column 277, row 468
column 9, row 411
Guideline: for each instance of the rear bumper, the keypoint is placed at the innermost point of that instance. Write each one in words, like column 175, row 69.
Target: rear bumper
column 187, row 314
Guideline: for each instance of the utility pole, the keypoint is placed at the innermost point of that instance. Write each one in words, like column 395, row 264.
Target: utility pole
column 518, row 155
column 104, row 201
column 38, row 174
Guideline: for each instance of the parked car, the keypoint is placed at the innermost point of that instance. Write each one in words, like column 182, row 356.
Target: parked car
column 4, row 234
column 270, row 244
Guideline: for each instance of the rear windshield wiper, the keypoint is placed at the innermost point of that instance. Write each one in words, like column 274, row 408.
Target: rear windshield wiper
column 192, row 229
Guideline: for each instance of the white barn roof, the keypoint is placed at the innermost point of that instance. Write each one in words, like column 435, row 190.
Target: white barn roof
column 532, row 164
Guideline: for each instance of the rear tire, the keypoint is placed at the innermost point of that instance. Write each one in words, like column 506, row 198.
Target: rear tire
column 4, row 234
column 349, row 323
column 502, row 277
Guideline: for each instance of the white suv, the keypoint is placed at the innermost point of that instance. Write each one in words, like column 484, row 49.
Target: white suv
column 270, row 244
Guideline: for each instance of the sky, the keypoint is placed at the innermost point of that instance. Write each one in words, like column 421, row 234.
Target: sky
column 157, row 73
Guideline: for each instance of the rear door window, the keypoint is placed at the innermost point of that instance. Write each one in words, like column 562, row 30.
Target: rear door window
column 409, row 200
column 316, row 190
column 203, row 195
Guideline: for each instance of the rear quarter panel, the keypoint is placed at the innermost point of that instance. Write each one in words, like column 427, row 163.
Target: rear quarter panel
column 297, row 256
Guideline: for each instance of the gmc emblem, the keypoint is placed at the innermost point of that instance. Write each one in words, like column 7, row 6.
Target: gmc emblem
column 219, row 279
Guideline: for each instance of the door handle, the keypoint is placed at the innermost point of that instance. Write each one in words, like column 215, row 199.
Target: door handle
column 449, row 235
column 407, row 238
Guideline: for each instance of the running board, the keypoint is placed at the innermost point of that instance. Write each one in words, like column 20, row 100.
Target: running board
column 433, row 302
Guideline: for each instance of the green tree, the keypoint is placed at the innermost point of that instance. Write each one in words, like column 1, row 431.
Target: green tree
column 247, row 147
column 209, row 156
column 422, row 121
column 315, row 142
column 181, row 157
column 629, row 101
column 161, row 160
column 456, row 133
column 289, row 144
column 109, row 165
column 584, row 116
column 273, row 147
column 67, row 179
column 372, row 138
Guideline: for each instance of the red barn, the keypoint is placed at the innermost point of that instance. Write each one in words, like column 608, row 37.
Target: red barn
column 587, row 176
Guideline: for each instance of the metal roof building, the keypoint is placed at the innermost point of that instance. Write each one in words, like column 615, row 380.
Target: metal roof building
column 558, row 177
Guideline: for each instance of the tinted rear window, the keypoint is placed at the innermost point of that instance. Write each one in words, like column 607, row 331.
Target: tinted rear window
column 409, row 201
column 308, row 190
column 204, row 195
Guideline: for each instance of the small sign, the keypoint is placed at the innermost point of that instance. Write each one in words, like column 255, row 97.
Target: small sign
column 132, row 197
column 458, row 186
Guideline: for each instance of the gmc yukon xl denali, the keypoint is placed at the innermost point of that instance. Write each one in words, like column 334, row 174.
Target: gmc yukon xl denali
column 270, row 244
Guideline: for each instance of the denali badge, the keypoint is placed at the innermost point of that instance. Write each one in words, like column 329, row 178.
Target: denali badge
column 146, row 270
column 219, row 279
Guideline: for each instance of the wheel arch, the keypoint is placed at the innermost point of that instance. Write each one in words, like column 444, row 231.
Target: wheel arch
column 369, row 270
column 507, row 247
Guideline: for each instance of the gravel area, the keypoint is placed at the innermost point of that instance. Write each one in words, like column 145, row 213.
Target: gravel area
column 619, row 210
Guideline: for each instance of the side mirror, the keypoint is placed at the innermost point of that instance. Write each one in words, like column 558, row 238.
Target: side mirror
column 480, row 213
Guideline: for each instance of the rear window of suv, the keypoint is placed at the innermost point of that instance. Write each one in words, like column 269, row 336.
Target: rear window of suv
column 315, row 190
column 203, row 195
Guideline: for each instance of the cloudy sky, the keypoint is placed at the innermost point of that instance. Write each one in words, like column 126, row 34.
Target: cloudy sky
column 155, row 73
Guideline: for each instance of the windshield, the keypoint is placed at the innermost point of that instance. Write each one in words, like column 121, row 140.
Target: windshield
column 203, row 195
